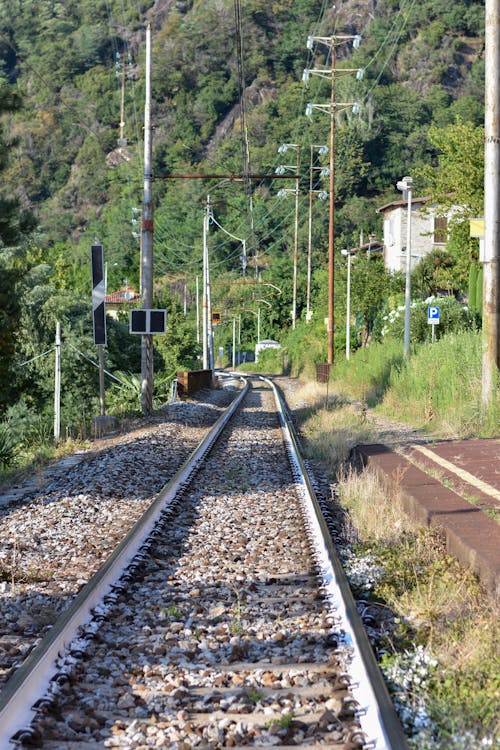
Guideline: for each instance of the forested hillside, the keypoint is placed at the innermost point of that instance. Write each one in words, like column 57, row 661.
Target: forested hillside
column 227, row 93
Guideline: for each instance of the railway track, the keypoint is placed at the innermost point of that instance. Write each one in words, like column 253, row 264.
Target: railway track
column 221, row 620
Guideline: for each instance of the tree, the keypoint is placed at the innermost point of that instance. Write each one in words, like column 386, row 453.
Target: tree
column 433, row 274
column 14, row 227
column 456, row 184
column 456, row 179
column 370, row 285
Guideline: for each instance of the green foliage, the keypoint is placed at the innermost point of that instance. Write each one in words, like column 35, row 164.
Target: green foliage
column 371, row 285
column 458, row 180
column 433, row 274
column 454, row 318
column 270, row 361
column 368, row 373
column 444, row 380
column 66, row 60
column 8, row 445
column 473, row 271
column 124, row 397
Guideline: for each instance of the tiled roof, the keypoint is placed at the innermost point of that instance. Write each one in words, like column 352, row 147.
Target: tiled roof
column 122, row 297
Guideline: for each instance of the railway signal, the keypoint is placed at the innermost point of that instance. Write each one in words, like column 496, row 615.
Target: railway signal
column 148, row 321
column 98, row 294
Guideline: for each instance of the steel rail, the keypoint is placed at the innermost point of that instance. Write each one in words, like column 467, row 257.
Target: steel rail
column 33, row 678
column 377, row 716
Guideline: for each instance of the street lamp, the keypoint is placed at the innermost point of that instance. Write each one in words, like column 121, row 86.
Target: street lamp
column 322, row 195
column 281, row 170
column 405, row 186
column 348, row 254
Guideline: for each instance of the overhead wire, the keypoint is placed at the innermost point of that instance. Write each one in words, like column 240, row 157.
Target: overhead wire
column 298, row 132
column 393, row 44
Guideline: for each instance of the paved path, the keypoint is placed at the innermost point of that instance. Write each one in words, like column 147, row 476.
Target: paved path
column 454, row 484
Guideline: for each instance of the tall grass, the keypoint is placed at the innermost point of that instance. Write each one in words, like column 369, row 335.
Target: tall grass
column 367, row 374
column 438, row 387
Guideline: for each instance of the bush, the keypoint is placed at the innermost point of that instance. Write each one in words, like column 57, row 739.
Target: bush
column 7, row 445
column 454, row 318
column 23, row 430
column 124, row 397
column 270, row 361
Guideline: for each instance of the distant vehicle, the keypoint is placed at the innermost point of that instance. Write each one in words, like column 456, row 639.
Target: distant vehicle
column 265, row 344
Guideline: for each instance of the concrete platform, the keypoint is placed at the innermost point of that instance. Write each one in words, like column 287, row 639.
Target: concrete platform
column 453, row 484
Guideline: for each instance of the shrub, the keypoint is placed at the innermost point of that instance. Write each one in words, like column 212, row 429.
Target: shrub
column 454, row 318
column 7, row 445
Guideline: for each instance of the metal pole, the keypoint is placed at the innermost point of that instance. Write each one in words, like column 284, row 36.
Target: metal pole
column 331, row 224
column 197, row 312
column 408, row 276
column 234, row 343
column 57, row 386
column 239, row 339
column 122, row 141
column 309, row 240
column 296, row 243
column 348, row 319
column 102, row 398
column 491, row 264
column 147, row 243
column 244, row 258
column 258, row 324
column 205, row 286
column 210, row 343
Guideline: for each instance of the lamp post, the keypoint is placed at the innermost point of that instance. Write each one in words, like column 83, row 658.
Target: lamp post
column 280, row 170
column 324, row 172
column 265, row 302
column 405, row 186
column 348, row 254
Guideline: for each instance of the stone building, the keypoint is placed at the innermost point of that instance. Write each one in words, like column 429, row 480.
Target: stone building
column 428, row 231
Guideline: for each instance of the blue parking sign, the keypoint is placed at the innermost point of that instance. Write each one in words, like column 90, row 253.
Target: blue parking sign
column 433, row 315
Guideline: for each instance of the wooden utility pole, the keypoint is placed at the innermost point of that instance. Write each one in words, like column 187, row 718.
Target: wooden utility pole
column 147, row 244
column 491, row 263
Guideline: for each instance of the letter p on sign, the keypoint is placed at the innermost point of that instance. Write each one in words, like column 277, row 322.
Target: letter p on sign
column 433, row 315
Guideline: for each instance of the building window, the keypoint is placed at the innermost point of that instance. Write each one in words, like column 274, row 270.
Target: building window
column 440, row 230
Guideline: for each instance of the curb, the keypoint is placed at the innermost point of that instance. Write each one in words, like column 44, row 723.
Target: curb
column 471, row 536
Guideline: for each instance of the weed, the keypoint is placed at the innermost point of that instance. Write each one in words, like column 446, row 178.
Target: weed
column 255, row 695
column 284, row 721
column 172, row 612
column 236, row 624
column 7, row 445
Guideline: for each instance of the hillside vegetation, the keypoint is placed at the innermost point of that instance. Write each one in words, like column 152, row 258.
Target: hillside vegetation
column 227, row 92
